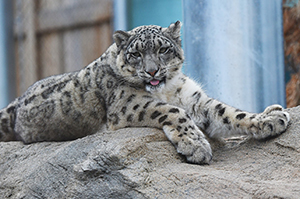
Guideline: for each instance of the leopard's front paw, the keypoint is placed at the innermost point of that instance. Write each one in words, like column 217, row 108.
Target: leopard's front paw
column 191, row 144
column 196, row 151
column 272, row 122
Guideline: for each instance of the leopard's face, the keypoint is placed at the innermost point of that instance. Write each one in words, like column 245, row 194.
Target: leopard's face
column 150, row 55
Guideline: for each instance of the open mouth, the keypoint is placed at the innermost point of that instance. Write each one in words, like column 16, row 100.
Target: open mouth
column 155, row 83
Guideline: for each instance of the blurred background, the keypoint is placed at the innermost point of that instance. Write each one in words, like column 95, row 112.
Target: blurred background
column 244, row 53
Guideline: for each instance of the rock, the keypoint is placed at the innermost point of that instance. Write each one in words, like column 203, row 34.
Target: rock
column 142, row 163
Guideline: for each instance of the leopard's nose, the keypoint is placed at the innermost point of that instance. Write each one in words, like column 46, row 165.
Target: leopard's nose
column 152, row 73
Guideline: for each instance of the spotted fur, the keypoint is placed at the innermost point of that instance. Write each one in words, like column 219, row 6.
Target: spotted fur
column 137, row 82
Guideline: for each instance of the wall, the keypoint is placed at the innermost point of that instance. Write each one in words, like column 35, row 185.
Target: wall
column 235, row 49
column 153, row 12
column 58, row 36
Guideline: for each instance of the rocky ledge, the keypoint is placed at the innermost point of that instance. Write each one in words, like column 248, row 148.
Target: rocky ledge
column 141, row 163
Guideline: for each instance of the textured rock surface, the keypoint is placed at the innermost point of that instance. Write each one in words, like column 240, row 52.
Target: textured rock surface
column 141, row 163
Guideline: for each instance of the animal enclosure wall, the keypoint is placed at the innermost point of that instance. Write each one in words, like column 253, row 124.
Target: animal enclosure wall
column 57, row 36
column 235, row 49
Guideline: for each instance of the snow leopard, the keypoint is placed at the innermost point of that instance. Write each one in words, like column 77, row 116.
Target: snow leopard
column 137, row 82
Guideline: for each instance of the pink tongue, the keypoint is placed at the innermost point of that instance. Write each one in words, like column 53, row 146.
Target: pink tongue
column 154, row 82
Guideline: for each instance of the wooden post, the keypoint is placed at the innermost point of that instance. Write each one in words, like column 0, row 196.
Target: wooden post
column 29, row 70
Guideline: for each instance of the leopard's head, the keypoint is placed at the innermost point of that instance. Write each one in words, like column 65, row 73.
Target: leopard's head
column 149, row 55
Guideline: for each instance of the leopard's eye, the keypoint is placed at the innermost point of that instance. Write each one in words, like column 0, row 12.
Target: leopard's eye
column 135, row 54
column 163, row 50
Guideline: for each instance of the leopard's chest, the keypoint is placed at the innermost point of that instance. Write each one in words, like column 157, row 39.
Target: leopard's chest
column 169, row 95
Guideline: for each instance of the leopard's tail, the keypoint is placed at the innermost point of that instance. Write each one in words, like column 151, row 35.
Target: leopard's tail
column 7, row 123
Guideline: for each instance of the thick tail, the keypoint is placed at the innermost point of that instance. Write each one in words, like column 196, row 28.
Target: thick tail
column 7, row 123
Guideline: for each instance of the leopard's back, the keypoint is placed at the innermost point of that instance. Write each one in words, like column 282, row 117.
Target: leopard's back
column 61, row 107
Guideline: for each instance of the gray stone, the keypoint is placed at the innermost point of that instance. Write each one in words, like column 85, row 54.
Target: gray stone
column 142, row 163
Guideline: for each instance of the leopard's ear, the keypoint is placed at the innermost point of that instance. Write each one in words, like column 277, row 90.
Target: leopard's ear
column 174, row 31
column 121, row 37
